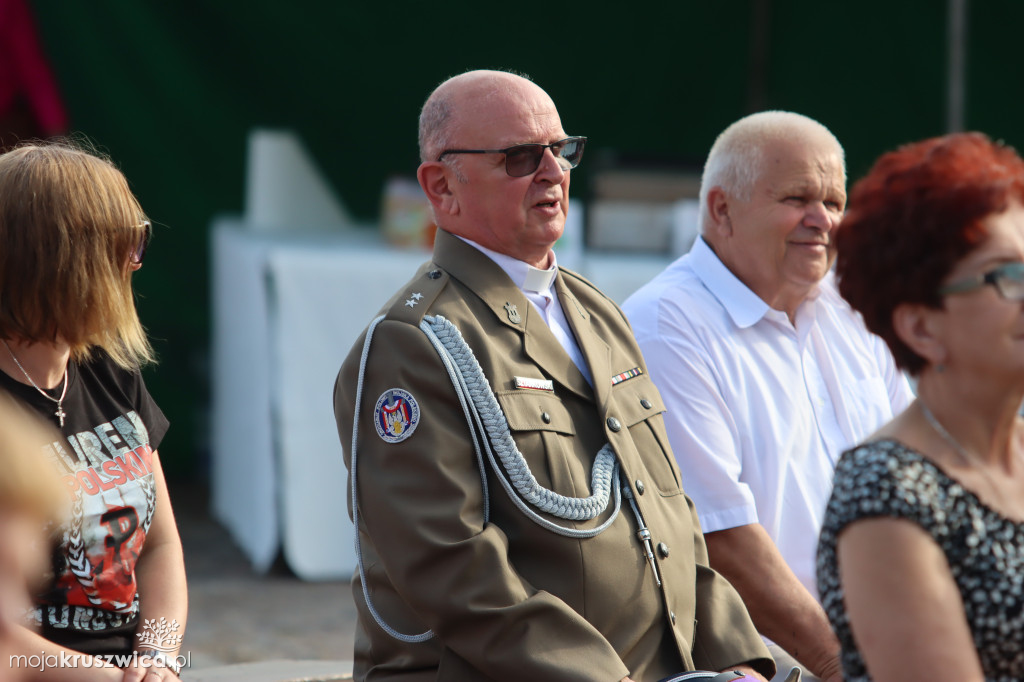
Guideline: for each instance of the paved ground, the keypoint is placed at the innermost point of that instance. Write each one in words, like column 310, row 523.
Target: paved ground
column 236, row 616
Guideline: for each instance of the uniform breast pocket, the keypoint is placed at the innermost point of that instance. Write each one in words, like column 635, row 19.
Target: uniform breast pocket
column 544, row 433
column 640, row 407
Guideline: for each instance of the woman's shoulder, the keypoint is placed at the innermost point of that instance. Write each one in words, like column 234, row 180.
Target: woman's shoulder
column 100, row 373
column 887, row 478
column 876, row 459
column 889, row 460
column 101, row 364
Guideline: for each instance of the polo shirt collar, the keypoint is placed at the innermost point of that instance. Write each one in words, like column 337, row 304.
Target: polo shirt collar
column 744, row 306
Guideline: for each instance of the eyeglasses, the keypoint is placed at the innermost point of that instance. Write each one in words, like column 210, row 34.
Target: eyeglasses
column 139, row 252
column 524, row 159
column 1008, row 280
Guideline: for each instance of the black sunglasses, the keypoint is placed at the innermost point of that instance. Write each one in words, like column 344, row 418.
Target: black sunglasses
column 523, row 159
column 1008, row 280
column 139, row 252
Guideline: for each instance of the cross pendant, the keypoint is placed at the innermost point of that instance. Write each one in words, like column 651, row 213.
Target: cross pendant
column 60, row 413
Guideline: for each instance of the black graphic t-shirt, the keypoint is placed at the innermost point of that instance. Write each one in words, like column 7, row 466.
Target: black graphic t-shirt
column 111, row 429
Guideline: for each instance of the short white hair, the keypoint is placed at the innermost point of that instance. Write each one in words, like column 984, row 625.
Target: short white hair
column 735, row 160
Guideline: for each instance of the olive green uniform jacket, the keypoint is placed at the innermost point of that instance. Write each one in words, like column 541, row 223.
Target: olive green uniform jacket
column 508, row 599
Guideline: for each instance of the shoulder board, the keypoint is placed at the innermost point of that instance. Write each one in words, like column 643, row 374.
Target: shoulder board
column 412, row 302
column 570, row 274
column 588, row 294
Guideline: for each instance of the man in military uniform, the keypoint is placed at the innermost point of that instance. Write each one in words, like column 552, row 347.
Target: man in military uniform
column 519, row 513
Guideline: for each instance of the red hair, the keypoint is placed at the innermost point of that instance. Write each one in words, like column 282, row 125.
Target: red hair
column 916, row 214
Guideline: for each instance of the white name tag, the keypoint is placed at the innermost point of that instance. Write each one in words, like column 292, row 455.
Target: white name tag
column 535, row 384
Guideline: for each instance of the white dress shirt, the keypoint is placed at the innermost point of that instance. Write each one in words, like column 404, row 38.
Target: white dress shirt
column 537, row 285
column 760, row 409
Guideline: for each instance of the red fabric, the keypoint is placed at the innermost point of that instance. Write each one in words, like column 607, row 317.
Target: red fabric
column 24, row 70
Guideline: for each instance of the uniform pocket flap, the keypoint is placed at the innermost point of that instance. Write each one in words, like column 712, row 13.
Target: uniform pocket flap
column 637, row 399
column 535, row 411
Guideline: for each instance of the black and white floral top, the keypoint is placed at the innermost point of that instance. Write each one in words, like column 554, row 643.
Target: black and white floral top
column 985, row 550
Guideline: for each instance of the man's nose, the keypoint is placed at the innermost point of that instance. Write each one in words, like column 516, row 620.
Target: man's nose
column 551, row 168
column 820, row 217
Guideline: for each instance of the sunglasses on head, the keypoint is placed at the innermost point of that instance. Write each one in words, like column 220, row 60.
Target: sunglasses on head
column 1008, row 279
column 139, row 252
column 524, row 159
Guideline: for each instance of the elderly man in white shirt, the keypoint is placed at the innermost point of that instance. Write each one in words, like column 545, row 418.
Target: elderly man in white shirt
column 766, row 371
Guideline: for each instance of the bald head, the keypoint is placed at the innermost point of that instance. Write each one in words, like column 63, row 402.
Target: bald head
column 736, row 159
column 455, row 101
column 472, row 193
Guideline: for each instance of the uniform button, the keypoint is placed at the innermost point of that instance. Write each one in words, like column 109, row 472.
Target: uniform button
column 639, row 487
column 545, row 417
column 646, row 403
column 663, row 550
column 614, row 424
column 672, row 617
column 434, row 274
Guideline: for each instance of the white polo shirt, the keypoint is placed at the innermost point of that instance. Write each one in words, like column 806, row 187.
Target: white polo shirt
column 760, row 409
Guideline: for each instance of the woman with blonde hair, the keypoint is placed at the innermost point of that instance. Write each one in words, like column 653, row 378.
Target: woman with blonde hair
column 73, row 235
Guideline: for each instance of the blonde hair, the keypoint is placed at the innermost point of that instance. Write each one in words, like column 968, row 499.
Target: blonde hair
column 31, row 483
column 68, row 225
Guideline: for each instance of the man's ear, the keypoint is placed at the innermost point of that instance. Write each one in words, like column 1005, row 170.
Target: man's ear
column 436, row 180
column 918, row 326
column 718, row 212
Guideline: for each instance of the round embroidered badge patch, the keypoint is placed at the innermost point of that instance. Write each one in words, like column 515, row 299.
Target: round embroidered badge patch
column 396, row 415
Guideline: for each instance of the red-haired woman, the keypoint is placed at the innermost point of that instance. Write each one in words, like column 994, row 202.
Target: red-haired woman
column 921, row 558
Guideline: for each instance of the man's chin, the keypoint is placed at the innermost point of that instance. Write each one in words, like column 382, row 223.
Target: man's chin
column 812, row 267
column 548, row 231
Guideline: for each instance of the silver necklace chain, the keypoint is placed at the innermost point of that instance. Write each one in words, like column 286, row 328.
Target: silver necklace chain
column 973, row 461
column 60, row 413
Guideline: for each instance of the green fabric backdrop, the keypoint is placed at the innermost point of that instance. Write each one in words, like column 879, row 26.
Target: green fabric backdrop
column 170, row 90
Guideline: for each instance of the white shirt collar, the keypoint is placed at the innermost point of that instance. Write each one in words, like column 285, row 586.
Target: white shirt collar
column 744, row 306
column 524, row 275
column 536, row 285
